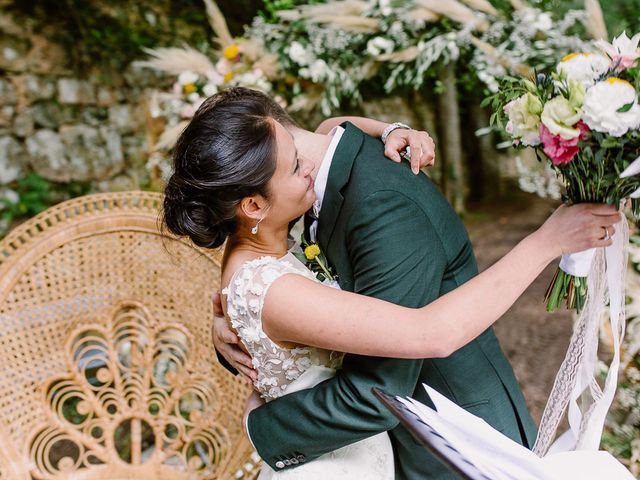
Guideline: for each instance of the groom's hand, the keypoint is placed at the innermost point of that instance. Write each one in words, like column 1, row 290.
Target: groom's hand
column 421, row 147
column 228, row 344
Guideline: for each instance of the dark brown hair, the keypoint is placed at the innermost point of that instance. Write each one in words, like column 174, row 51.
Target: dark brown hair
column 226, row 153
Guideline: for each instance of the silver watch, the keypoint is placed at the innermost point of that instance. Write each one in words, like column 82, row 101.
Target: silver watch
column 390, row 128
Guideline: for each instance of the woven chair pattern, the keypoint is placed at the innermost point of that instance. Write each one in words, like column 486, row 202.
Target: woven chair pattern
column 108, row 370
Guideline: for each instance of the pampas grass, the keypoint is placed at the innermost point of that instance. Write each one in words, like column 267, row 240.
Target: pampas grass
column 175, row 60
column 254, row 52
column 456, row 11
column 348, row 22
column 406, row 55
column 517, row 4
column 169, row 137
column 482, row 6
column 491, row 52
column 218, row 24
column 423, row 14
column 595, row 21
column 342, row 14
column 339, row 7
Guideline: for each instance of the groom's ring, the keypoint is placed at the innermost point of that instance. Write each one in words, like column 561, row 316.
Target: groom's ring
column 606, row 234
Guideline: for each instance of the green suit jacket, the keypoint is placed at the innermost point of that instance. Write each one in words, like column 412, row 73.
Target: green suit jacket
column 391, row 235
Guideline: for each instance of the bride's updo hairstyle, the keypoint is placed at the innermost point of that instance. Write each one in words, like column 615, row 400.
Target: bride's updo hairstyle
column 227, row 152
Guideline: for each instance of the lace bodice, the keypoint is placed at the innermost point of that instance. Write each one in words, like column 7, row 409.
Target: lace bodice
column 277, row 367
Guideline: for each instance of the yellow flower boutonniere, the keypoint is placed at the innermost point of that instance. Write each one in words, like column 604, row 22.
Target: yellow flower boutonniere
column 317, row 262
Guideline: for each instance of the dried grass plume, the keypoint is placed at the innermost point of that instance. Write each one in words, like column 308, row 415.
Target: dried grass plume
column 218, row 24
column 595, row 20
column 456, row 11
column 175, row 60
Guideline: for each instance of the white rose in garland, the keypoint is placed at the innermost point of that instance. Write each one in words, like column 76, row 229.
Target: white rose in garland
column 583, row 67
column 187, row 78
column 611, row 107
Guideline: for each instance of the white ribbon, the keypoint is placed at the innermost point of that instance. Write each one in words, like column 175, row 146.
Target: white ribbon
column 575, row 385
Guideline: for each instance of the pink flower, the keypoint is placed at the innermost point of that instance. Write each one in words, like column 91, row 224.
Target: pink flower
column 561, row 150
column 623, row 51
column 187, row 111
column 223, row 66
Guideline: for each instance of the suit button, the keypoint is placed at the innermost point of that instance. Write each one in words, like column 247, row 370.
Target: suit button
column 280, row 464
column 301, row 458
column 287, row 462
column 294, row 461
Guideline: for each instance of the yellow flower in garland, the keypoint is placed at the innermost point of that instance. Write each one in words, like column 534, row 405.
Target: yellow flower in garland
column 228, row 77
column 189, row 88
column 312, row 251
column 231, row 51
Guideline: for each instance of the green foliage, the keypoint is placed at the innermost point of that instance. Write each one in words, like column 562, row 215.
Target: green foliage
column 34, row 194
column 619, row 15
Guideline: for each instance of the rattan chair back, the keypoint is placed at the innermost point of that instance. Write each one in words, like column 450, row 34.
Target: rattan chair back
column 108, row 370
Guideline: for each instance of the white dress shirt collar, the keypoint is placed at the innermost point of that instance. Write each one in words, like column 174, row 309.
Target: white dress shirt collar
column 322, row 178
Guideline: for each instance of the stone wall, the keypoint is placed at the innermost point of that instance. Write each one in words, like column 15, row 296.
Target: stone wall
column 67, row 128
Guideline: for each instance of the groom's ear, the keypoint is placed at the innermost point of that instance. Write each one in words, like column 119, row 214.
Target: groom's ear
column 253, row 207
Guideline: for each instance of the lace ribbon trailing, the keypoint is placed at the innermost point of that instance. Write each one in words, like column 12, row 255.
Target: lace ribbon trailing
column 576, row 385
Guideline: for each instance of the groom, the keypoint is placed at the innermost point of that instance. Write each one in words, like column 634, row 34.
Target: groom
column 389, row 234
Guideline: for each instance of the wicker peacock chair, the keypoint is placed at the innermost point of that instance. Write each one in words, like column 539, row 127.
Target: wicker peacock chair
column 108, row 371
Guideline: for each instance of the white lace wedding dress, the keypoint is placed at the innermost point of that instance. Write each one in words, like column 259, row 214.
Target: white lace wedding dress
column 286, row 370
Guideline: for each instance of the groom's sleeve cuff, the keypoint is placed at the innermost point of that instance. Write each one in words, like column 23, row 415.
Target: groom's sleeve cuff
column 246, row 429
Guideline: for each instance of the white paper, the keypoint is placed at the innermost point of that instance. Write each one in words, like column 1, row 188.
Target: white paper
column 500, row 458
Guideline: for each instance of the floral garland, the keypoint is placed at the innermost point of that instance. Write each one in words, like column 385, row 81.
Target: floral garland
column 334, row 51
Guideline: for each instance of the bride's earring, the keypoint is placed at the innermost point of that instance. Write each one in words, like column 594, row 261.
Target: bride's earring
column 254, row 230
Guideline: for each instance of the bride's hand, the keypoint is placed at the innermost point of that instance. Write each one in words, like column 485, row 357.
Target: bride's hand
column 579, row 227
column 422, row 148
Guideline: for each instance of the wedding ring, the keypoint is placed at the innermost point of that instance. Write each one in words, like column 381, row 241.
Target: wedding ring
column 606, row 234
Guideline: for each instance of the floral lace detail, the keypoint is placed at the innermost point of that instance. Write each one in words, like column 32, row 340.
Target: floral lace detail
column 276, row 366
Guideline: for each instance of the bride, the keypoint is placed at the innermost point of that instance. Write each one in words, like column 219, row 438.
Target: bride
column 239, row 178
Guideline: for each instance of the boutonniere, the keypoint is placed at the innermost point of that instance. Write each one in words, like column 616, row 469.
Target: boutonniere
column 316, row 261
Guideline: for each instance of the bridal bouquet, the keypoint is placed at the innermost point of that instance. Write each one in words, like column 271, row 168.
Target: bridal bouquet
column 584, row 120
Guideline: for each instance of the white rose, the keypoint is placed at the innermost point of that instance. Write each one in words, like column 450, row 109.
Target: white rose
column 209, row 89
column 193, row 97
column 247, row 78
column 601, row 105
column 379, row 45
column 299, row 54
column 185, row 78
column 583, row 67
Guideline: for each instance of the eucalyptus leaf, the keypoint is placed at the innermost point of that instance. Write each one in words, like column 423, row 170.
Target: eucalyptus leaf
column 626, row 107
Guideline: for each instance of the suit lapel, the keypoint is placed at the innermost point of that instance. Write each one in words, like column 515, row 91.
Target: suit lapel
column 339, row 174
